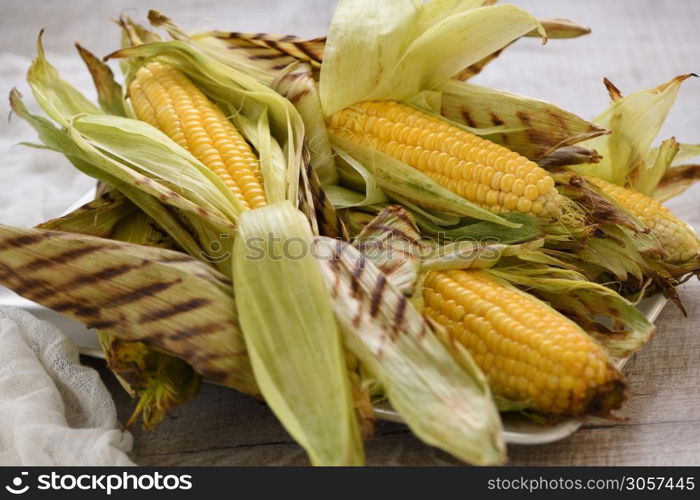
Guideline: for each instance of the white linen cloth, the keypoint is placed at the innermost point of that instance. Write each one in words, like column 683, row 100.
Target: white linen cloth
column 53, row 410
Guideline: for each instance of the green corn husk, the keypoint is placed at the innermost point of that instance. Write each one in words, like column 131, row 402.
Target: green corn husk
column 473, row 254
column 445, row 404
column 529, row 228
column 291, row 334
column 634, row 122
column 359, row 187
column 158, row 380
column 396, row 177
column 134, row 292
column 388, row 52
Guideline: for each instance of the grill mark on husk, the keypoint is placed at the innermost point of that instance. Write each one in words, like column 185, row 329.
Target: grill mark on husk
column 377, row 295
column 61, row 258
column 357, row 270
column 101, row 275
column 16, row 242
column 139, row 294
column 301, row 46
column 181, row 308
column 399, row 314
column 195, row 331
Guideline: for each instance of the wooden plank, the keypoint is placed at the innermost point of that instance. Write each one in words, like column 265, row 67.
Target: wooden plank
column 670, row 443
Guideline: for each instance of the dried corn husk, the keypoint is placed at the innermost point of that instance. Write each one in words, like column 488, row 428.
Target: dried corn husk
column 537, row 127
column 317, row 207
column 133, row 292
column 96, row 218
column 392, row 241
column 157, row 379
column 445, row 404
column 109, row 92
column 298, row 85
column 678, row 176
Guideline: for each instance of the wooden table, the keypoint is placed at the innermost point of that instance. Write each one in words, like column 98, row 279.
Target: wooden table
column 636, row 43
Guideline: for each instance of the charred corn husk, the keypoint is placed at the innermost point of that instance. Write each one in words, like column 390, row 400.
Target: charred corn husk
column 529, row 352
column 677, row 238
column 165, row 98
column 485, row 173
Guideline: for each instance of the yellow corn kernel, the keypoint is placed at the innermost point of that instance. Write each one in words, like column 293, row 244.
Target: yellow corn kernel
column 478, row 159
column 164, row 97
column 529, row 352
column 677, row 238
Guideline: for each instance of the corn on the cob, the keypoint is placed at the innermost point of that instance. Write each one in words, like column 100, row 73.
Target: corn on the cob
column 528, row 351
column 164, row 97
column 479, row 170
column 677, row 237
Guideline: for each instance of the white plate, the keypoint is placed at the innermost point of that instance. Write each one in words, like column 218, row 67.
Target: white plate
column 517, row 430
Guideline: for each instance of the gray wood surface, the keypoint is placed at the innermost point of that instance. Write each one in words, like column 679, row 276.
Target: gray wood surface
column 636, row 43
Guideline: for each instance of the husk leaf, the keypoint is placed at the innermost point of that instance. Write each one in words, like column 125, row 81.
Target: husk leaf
column 395, row 176
column 134, row 292
column 634, row 122
column 389, row 51
column 538, row 128
column 586, row 303
column 291, row 334
column 392, row 241
column 443, row 403
column 109, row 92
